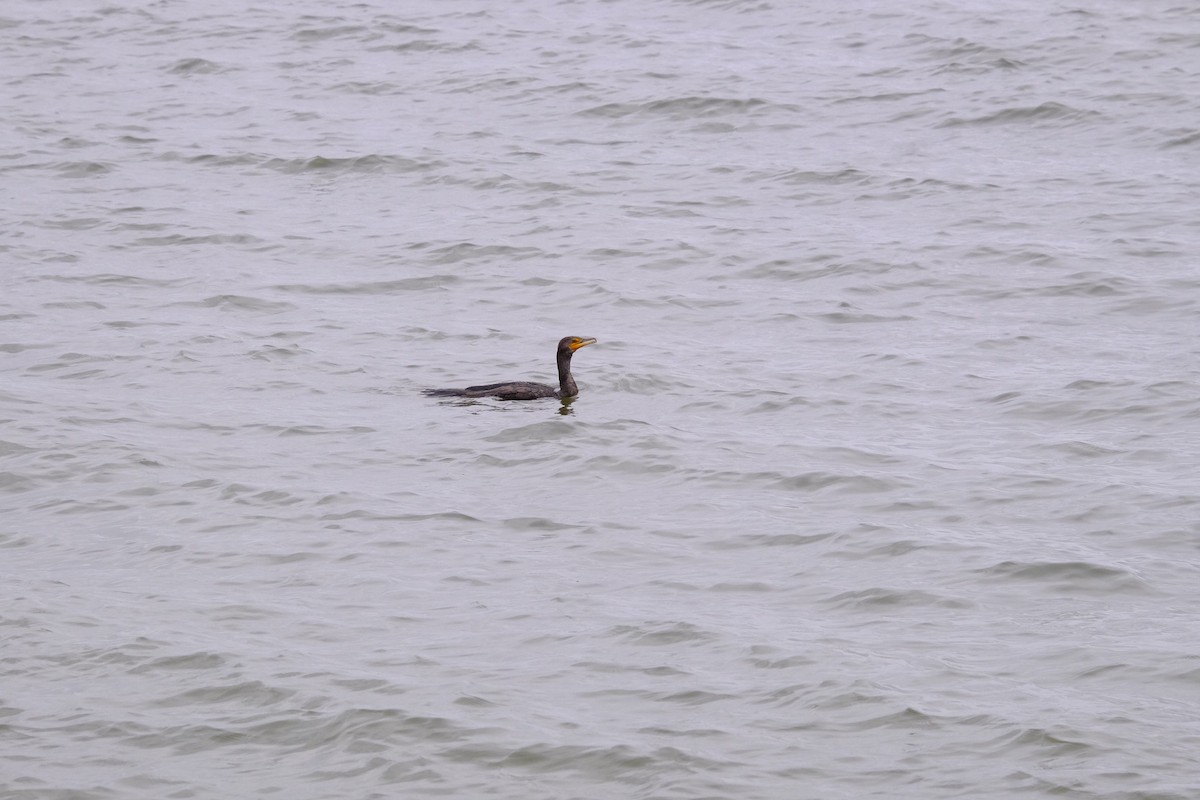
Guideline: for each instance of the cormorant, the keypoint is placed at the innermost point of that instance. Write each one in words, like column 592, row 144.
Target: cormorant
column 527, row 390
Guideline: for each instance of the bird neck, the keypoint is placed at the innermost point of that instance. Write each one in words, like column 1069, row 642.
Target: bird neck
column 566, row 383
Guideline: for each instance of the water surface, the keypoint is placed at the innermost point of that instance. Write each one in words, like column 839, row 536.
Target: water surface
column 881, row 482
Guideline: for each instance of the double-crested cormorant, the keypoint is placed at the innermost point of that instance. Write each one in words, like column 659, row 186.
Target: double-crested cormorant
column 527, row 390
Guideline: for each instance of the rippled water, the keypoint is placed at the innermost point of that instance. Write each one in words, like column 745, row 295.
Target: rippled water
column 882, row 480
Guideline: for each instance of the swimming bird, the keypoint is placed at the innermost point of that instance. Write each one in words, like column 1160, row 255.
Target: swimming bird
column 528, row 390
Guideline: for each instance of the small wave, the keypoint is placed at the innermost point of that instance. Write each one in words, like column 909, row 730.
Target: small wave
column 661, row 634
column 195, row 66
column 236, row 302
column 112, row 279
column 686, row 108
column 191, row 661
column 538, row 524
column 367, row 163
column 729, row 5
column 591, row 762
column 549, row 430
column 82, row 169
column 878, row 597
column 72, row 224
column 469, row 251
column 904, row 719
column 371, row 88
column 1080, row 284
column 1047, row 744
column 1069, row 576
column 362, row 514
column 178, row 240
column 843, row 317
column 1056, row 409
column 372, row 163
column 20, row 347
column 1187, row 140
column 1080, row 449
column 15, row 483
column 330, row 32
column 1045, row 113
column 310, row 731
column 807, row 177
column 371, row 287
column 245, row 694
column 424, row 46
column 755, row 540
column 317, row 430
column 842, row 484
column 888, row 550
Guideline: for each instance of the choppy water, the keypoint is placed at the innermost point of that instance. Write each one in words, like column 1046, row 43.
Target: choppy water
column 882, row 481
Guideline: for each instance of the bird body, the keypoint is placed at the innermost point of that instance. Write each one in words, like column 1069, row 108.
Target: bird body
column 528, row 390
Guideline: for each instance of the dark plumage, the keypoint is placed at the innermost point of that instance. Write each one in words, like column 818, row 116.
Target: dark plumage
column 527, row 390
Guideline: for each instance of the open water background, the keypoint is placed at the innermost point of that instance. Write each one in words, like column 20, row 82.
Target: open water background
column 883, row 480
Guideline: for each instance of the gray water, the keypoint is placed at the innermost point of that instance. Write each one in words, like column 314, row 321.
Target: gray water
column 882, row 481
